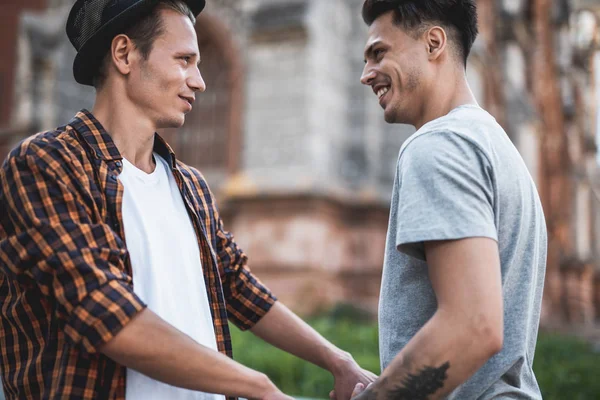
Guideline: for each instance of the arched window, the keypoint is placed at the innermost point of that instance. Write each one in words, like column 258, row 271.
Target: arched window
column 210, row 137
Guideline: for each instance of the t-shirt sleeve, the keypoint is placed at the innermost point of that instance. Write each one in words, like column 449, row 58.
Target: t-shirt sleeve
column 445, row 192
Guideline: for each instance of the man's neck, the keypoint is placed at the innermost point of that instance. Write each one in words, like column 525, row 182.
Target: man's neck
column 446, row 96
column 132, row 132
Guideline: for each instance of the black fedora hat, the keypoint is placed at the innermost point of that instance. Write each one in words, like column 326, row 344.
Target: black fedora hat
column 92, row 25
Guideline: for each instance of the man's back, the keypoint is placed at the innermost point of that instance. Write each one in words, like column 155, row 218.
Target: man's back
column 466, row 152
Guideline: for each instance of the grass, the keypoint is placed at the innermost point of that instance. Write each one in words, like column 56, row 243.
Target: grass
column 294, row 376
column 567, row 368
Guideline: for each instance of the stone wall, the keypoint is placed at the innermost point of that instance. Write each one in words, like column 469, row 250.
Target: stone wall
column 312, row 251
column 307, row 199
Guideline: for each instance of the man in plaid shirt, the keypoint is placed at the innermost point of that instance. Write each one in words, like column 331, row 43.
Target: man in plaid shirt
column 85, row 315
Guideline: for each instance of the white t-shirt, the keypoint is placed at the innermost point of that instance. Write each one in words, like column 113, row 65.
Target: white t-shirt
column 167, row 272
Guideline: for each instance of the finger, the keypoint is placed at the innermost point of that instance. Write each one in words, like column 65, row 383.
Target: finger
column 332, row 395
column 358, row 389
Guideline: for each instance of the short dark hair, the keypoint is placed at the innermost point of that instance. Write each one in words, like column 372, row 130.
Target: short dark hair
column 146, row 30
column 458, row 15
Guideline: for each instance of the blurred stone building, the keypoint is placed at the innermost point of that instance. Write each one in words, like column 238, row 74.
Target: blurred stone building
column 297, row 150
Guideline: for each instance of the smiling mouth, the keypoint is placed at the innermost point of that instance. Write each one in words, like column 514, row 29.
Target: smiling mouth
column 381, row 92
column 188, row 101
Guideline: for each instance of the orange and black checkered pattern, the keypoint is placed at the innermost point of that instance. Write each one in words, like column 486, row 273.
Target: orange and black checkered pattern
column 65, row 274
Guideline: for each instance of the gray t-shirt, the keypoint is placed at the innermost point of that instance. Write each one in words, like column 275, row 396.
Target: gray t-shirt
column 460, row 176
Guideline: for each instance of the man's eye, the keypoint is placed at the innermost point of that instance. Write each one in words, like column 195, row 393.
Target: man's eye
column 378, row 52
column 186, row 59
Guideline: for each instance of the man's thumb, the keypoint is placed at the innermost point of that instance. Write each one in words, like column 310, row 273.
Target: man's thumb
column 358, row 389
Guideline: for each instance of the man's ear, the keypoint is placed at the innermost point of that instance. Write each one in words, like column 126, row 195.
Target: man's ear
column 436, row 41
column 122, row 53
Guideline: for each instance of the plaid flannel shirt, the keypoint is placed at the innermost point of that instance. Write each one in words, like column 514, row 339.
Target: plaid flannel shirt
column 65, row 274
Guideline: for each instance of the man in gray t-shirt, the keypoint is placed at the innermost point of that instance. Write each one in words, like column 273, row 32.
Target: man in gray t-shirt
column 466, row 246
column 460, row 176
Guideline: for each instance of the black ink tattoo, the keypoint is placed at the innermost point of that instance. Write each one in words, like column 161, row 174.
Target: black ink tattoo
column 420, row 385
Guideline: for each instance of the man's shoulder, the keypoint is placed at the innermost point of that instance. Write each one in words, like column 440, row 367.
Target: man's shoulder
column 60, row 144
column 441, row 141
column 195, row 179
column 56, row 154
column 190, row 172
column 474, row 124
column 469, row 131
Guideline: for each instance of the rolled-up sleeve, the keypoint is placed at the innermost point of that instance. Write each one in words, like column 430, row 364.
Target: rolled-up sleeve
column 49, row 239
column 247, row 298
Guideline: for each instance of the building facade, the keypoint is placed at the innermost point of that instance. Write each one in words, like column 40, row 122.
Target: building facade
column 297, row 151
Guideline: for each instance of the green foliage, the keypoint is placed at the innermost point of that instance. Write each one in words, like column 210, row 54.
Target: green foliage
column 566, row 368
column 297, row 377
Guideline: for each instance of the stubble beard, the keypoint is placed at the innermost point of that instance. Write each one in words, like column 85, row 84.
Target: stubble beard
column 170, row 122
column 400, row 114
column 148, row 74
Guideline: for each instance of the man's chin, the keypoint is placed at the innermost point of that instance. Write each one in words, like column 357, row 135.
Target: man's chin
column 172, row 123
column 395, row 116
column 390, row 117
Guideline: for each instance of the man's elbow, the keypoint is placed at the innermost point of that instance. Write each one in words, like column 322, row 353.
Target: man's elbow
column 495, row 342
column 489, row 335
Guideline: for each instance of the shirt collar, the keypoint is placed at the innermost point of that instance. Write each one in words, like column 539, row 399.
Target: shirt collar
column 104, row 147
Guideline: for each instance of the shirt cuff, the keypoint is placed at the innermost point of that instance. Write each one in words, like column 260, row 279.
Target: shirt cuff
column 102, row 314
column 411, row 242
column 246, row 309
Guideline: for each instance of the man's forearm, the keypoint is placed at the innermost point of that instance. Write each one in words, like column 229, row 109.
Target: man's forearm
column 151, row 346
column 283, row 329
column 440, row 357
column 286, row 331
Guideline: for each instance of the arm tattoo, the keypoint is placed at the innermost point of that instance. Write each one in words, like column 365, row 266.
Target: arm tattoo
column 421, row 385
column 414, row 387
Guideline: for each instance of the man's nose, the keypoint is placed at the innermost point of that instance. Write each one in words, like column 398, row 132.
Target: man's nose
column 196, row 83
column 367, row 76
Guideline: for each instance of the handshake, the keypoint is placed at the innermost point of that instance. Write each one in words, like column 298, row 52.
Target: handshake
column 350, row 382
column 359, row 388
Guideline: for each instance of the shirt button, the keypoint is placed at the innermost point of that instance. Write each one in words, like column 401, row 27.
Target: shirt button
column 113, row 177
column 119, row 164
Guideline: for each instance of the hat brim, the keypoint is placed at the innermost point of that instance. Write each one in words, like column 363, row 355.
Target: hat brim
column 90, row 56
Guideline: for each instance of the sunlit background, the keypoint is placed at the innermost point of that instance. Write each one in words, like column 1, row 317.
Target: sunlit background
column 302, row 162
